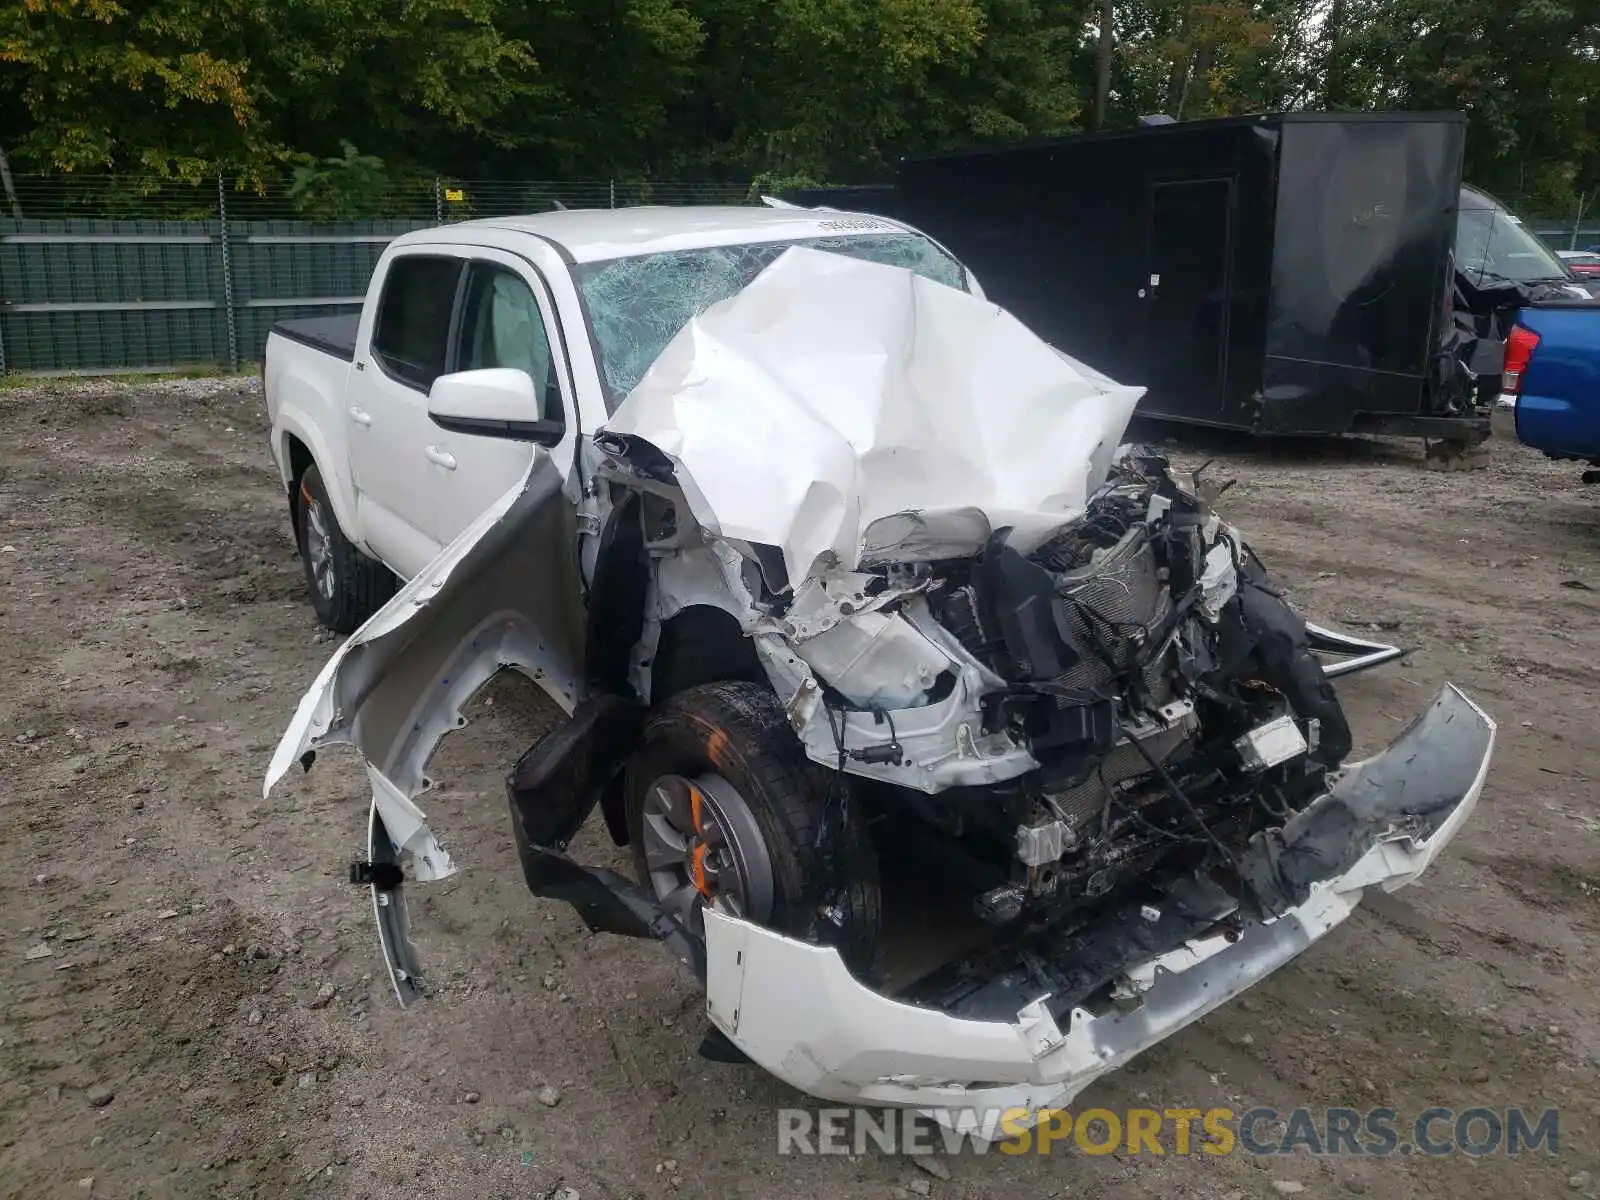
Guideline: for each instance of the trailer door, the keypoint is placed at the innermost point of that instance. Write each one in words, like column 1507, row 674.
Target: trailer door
column 1185, row 294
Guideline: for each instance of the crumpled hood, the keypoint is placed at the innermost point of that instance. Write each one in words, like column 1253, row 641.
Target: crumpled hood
column 832, row 392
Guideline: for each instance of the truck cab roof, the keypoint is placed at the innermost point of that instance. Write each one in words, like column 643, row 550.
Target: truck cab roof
column 593, row 235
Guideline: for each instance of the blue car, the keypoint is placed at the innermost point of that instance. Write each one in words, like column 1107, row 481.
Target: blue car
column 1550, row 384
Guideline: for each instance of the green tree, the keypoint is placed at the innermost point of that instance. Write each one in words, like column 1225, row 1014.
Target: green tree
column 1189, row 59
column 181, row 88
column 815, row 87
column 839, row 89
column 341, row 188
column 1025, row 79
column 1525, row 72
column 612, row 74
column 144, row 90
column 774, row 90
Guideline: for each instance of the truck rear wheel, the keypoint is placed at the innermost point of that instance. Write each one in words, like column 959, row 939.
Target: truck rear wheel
column 346, row 585
column 725, row 809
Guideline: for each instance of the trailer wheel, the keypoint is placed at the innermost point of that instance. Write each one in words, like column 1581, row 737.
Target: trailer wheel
column 724, row 809
column 346, row 585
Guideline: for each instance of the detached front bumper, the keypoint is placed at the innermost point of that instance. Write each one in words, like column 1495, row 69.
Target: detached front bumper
column 798, row 1012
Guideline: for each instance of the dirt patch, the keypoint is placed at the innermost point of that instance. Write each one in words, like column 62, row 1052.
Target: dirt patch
column 209, row 968
column 1555, row 887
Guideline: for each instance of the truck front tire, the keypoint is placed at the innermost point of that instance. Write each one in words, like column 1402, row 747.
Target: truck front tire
column 733, row 739
column 346, row 585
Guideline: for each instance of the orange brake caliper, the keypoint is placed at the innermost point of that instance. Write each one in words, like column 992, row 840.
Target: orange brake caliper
column 697, row 857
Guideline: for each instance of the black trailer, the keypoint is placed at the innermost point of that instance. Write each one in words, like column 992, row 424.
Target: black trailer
column 1285, row 273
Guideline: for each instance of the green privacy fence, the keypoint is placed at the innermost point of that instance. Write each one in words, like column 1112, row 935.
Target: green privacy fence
column 87, row 294
column 91, row 296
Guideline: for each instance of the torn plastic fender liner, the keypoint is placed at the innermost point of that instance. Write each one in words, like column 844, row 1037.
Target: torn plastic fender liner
column 796, row 1010
column 560, row 778
column 552, row 790
column 504, row 594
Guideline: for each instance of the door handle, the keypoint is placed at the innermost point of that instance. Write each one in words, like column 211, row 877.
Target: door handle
column 441, row 458
column 360, row 415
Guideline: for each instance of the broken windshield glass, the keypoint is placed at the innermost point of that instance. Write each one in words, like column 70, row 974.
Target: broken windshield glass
column 636, row 305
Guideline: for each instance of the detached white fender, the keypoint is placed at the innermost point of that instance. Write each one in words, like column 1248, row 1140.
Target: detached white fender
column 504, row 594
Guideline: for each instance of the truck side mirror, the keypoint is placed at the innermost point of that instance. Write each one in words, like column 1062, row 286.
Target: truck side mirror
column 499, row 402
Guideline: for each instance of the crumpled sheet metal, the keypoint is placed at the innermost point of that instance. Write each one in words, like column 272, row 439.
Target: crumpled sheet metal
column 797, row 1010
column 832, row 392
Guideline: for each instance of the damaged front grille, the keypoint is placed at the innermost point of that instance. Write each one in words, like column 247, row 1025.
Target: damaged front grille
column 1109, row 611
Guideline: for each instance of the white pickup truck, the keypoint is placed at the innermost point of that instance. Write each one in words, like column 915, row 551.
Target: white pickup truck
column 863, row 623
column 578, row 304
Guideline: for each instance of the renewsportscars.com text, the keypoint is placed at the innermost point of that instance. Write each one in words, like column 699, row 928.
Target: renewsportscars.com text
column 1378, row 1132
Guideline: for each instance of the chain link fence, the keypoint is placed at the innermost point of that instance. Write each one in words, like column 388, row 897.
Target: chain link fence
column 1574, row 230
column 1566, row 233
column 99, row 276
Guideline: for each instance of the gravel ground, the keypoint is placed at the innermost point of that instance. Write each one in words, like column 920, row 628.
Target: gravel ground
column 192, row 1000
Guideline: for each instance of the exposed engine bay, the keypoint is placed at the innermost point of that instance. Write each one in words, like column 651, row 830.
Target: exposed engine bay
column 922, row 643
column 1130, row 700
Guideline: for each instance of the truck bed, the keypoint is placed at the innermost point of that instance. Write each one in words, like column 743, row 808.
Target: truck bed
column 1558, row 410
column 331, row 335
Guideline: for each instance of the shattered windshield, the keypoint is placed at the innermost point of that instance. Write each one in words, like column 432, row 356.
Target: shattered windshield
column 637, row 305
